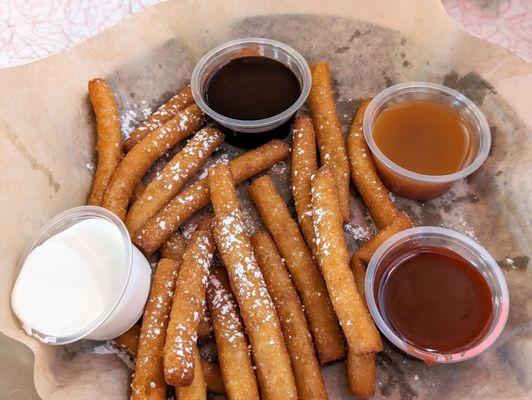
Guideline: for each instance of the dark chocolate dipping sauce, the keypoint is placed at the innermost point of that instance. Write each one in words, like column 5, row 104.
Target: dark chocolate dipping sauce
column 251, row 88
column 436, row 300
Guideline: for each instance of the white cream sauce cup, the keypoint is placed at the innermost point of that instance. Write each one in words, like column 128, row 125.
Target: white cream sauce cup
column 81, row 278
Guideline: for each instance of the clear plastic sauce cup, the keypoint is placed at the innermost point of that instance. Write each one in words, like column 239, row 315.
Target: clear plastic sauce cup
column 221, row 55
column 404, row 242
column 133, row 286
column 410, row 184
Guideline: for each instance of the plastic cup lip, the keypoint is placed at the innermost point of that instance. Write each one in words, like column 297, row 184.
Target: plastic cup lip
column 413, row 87
column 259, row 125
column 78, row 214
column 466, row 242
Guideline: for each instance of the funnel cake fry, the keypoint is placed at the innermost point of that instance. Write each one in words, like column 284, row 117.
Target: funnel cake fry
column 109, row 137
column 158, row 229
column 169, row 181
column 293, row 322
column 258, row 312
column 233, row 352
column 213, row 377
column 129, row 340
column 305, row 272
column 148, row 379
column 164, row 113
column 188, row 303
column 175, row 247
column 304, row 165
column 197, row 390
column 361, row 374
column 137, row 162
column 361, row 334
column 400, row 223
column 364, row 174
column 331, row 140
column 137, row 192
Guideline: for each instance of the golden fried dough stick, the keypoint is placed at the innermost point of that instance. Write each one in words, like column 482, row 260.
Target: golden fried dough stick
column 359, row 272
column 304, row 165
column 175, row 247
column 197, row 390
column 231, row 341
column 400, row 223
column 360, row 368
column 364, row 175
column 331, row 250
column 296, row 333
column 137, row 192
column 274, row 372
column 188, row 303
column 129, row 340
column 305, row 272
column 331, row 140
column 148, row 379
column 135, row 164
column 361, row 374
column 205, row 223
column 109, row 137
column 204, row 326
column 213, row 377
column 169, row 181
column 192, row 199
column 166, row 112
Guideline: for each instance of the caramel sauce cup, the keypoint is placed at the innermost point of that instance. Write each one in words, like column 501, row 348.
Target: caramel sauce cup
column 471, row 251
column 410, row 184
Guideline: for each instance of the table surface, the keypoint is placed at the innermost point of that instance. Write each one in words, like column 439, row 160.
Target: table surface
column 32, row 30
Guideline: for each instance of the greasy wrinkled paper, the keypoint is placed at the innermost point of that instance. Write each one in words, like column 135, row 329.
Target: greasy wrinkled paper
column 47, row 141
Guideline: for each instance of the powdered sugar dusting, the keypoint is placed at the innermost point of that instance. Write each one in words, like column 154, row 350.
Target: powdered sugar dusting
column 280, row 168
column 234, row 246
column 182, row 333
column 134, row 114
column 358, row 232
column 110, row 347
column 186, row 162
column 222, row 303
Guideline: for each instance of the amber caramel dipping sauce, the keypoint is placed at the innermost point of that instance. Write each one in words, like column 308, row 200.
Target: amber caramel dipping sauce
column 423, row 136
column 436, row 300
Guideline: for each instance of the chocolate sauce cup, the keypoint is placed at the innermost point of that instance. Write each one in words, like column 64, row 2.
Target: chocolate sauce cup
column 411, row 184
column 262, row 47
column 407, row 240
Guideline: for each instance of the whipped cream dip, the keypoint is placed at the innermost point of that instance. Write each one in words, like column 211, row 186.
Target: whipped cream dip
column 81, row 278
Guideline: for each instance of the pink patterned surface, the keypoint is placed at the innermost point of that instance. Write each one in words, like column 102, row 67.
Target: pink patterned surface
column 507, row 23
column 35, row 29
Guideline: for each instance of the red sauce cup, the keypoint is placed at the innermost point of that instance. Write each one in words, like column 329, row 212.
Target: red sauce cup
column 404, row 242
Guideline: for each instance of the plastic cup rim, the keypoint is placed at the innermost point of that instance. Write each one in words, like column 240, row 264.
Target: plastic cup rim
column 266, row 123
column 484, row 343
column 390, row 92
column 68, row 215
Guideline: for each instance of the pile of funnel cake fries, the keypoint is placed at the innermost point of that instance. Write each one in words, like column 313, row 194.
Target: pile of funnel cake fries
column 278, row 304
